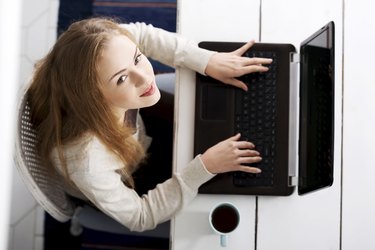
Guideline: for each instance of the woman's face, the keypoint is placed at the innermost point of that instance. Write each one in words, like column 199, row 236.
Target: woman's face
column 127, row 76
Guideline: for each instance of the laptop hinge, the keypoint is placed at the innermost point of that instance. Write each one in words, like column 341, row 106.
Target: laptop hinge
column 292, row 181
column 294, row 57
column 293, row 118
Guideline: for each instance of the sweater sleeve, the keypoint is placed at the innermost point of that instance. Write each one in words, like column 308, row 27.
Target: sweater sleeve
column 169, row 48
column 99, row 181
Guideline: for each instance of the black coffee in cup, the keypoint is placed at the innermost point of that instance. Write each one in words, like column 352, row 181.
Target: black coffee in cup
column 225, row 218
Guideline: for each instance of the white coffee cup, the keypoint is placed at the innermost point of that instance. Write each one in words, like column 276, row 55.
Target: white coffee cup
column 224, row 218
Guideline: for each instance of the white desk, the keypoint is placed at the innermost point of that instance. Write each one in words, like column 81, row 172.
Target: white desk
column 293, row 222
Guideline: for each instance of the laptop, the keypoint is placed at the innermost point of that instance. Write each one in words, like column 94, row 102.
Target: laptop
column 288, row 113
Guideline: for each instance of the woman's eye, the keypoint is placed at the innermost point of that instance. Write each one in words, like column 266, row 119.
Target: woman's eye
column 121, row 79
column 137, row 59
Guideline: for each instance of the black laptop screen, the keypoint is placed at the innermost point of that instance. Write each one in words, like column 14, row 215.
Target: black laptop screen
column 316, row 132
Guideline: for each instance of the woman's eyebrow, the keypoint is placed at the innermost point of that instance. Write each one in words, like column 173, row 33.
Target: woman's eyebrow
column 124, row 69
column 135, row 53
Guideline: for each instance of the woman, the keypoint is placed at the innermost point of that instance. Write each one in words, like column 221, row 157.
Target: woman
column 82, row 98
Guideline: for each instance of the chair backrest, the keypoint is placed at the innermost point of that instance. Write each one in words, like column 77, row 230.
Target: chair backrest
column 47, row 189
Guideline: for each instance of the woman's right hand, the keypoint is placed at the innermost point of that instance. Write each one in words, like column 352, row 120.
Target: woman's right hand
column 230, row 155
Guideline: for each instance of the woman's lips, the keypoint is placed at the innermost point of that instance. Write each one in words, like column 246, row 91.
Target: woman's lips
column 150, row 90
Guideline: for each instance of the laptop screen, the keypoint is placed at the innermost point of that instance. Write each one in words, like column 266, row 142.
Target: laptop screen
column 316, row 131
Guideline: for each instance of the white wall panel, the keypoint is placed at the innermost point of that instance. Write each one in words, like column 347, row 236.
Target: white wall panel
column 39, row 25
column 359, row 119
column 221, row 20
column 10, row 20
column 311, row 221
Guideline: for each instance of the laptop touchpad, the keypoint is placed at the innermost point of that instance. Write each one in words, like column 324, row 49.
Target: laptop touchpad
column 214, row 102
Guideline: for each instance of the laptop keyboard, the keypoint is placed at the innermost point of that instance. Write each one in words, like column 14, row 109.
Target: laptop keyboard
column 255, row 119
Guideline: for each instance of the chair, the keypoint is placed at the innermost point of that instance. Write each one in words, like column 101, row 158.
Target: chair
column 49, row 192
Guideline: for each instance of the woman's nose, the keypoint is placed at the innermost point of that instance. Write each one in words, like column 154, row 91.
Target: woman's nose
column 137, row 75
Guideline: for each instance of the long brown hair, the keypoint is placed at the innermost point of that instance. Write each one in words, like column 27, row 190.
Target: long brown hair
column 66, row 99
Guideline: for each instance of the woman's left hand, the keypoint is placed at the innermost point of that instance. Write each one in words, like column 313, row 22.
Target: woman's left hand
column 227, row 66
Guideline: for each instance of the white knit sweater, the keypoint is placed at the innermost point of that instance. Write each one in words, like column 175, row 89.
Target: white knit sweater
column 92, row 167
